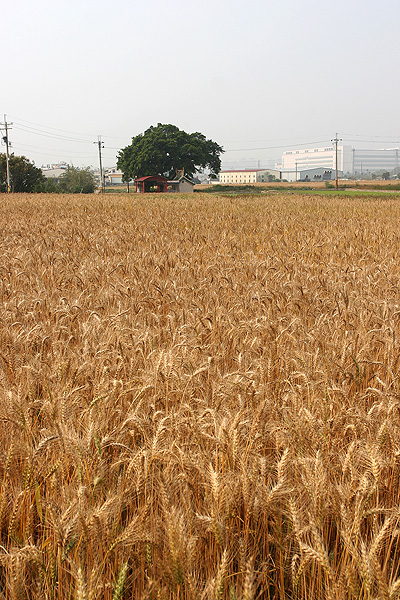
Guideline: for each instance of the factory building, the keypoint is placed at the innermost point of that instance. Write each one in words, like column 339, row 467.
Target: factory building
column 351, row 161
column 249, row 175
column 317, row 158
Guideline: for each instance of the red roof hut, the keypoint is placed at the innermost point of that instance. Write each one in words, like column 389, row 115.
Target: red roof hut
column 151, row 183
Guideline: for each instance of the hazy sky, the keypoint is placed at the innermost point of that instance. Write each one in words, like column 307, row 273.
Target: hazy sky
column 252, row 75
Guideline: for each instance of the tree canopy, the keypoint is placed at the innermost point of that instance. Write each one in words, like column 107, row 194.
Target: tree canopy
column 77, row 181
column 166, row 149
column 24, row 176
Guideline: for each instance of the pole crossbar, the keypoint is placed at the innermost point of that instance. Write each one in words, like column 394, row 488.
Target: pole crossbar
column 336, row 140
column 102, row 182
column 6, row 126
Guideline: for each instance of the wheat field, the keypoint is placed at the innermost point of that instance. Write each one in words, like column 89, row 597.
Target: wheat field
column 199, row 397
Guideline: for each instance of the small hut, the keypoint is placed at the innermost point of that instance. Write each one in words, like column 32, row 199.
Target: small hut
column 151, row 184
column 181, row 184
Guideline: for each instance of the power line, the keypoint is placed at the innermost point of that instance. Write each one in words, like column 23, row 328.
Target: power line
column 42, row 133
column 370, row 136
column 62, row 135
column 30, row 146
column 50, row 135
column 303, row 137
column 394, row 141
column 276, row 147
column 17, row 119
column 47, row 127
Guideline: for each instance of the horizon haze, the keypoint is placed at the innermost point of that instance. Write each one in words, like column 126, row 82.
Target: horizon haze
column 257, row 78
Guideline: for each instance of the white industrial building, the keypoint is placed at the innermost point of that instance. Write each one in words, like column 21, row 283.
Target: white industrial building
column 369, row 161
column 317, row 158
column 351, row 161
column 317, row 174
column 53, row 171
column 249, row 175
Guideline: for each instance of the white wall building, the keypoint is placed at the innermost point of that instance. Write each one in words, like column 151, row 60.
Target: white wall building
column 351, row 160
column 54, row 171
column 248, row 175
column 385, row 159
column 113, row 176
column 314, row 158
column 317, row 174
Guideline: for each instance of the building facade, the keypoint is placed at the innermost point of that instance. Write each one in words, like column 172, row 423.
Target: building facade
column 151, row 184
column 113, row 176
column 249, row 175
column 181, row 184
column 351, row 161
column 54, row 172
column 369, row 161
column 314, row 158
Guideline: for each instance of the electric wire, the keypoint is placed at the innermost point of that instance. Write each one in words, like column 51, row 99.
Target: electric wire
column 303, row 137
column 369, row 136
column 30, row 146
column 276, row 147
column 47, row 127
column 54, row 133
column 50, row 135
column 396, row 141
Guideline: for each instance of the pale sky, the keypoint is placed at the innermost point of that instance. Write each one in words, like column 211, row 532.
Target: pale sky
column 256, row 76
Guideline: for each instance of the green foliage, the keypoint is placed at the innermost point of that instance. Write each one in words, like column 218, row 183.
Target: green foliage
column 24, row 176
column 236, row 189
column 77, row 181
column 164, row 149
column 52, row 186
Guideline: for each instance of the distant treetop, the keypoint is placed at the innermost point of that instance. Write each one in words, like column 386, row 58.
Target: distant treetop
column 165, row 150
column 24, row 176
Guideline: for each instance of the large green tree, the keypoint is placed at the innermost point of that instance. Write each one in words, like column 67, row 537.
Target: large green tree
column 77, row 181
column 164, row 149
column 24, row 176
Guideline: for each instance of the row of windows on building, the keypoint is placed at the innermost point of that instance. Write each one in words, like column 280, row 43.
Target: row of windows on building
column 236, row 179
column 305, row 151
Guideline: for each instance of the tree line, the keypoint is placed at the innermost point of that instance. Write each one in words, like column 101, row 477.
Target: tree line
column 161, row 150
column 26, row 177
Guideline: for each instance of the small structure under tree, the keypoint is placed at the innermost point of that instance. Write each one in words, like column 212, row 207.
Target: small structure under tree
column 180, row 184
column 151, row 184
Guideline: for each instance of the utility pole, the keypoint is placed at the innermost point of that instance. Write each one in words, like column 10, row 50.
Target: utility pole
column 296, row 170
column 7, row 143
column 101, row 146
column 336, row 141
